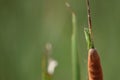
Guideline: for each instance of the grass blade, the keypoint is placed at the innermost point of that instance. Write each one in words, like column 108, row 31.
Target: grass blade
column 75, row 57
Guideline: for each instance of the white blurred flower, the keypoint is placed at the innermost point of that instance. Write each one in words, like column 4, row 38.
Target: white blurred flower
column 52, row 64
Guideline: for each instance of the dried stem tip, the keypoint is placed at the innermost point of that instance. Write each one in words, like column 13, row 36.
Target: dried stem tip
column 67, row 4
column 94, row 65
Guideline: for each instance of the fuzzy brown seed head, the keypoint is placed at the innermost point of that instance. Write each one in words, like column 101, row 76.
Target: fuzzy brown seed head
column 93, row 55
column 94, row 65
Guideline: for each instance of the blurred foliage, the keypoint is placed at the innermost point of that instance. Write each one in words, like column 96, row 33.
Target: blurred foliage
column 26, row 25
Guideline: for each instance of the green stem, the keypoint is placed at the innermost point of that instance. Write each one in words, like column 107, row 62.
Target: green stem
column 89, row 41
column 75, row 59
column 44, row 66
column 49, row 77
column 46, row 55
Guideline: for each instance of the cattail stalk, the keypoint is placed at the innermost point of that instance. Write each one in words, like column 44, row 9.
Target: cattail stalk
column 89, row 22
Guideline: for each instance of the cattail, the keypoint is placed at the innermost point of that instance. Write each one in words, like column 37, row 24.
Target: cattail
column 94, row 65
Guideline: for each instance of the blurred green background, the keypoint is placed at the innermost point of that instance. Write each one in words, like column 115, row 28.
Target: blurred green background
column 27, row 25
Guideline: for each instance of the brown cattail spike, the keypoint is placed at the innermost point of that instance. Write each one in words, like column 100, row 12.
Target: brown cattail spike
column 94, row 65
